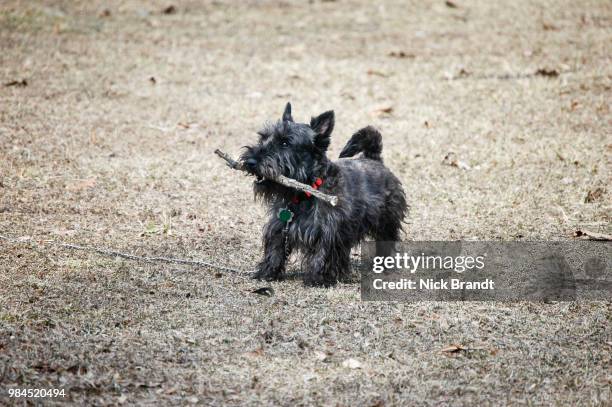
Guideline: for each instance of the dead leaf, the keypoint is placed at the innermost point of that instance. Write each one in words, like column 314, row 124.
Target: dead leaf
column 574, row 105
column 594, row 195
column 450, row 4
column 352, row 364
column 451, row 160
column 105, row 13
column 169, row 10
column 463, row 73
column 550, row 73
column 400, row 54
column 267, row 291
column 383, row 111
column 453, row 349
column 255, row 353
column 386, row 110
column 372, row 72
column 20, row 84
column 585, row 234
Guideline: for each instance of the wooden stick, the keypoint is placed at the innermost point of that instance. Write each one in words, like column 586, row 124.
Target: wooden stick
column 281, row 179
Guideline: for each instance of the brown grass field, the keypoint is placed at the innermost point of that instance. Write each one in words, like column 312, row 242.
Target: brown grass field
column 109, row 116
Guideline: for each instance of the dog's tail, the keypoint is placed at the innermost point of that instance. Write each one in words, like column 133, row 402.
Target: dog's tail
column 367, row 141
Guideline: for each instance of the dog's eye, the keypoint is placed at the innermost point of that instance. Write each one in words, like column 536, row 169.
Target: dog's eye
column 284, row 144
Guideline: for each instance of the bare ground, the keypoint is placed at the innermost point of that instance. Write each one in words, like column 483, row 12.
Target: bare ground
column 110, row 141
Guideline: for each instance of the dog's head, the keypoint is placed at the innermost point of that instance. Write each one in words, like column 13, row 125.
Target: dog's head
column 295, row 150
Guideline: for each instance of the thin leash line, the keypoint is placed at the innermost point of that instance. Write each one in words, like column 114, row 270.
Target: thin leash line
column 113, row 253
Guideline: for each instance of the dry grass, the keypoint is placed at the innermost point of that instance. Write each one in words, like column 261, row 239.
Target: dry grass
column 94, row 151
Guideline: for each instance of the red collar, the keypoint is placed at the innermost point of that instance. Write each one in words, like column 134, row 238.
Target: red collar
column 315, row 185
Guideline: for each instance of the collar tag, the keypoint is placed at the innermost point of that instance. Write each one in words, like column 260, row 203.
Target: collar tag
column 285, row 215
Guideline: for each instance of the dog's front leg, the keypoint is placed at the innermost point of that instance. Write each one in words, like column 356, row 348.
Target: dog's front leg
column 272, row 266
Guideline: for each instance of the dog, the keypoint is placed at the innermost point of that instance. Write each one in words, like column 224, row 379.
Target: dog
column 371, row 200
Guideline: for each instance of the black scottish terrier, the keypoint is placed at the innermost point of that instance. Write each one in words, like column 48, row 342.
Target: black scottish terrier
column 371, row 201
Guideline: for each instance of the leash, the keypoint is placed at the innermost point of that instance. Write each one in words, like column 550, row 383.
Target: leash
column 128, row 256
column 286, row 239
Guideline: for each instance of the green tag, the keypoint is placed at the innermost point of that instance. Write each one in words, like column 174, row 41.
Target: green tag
column 285, row 215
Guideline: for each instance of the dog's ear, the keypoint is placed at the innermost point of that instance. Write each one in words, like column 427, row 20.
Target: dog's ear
column 287, row 113
column 323, row 125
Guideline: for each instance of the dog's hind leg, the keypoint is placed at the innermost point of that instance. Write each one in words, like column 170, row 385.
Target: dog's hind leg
column 327, row 264
column 339, row 263
column 388, row 229
column 319, row 262
column 386, row 235
column 315, row 261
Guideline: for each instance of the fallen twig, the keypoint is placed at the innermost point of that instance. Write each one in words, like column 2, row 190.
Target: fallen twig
column 281, row 179
column 542, row 72
column 585, row 234
column 19, row 84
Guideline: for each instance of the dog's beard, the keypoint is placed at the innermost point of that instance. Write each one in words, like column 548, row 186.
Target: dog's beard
column 267, row 189
column 270, row 191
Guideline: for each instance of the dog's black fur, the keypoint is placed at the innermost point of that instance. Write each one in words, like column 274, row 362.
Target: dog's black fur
column 371, row 201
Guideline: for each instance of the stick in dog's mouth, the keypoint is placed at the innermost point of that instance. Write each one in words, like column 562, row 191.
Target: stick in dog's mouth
column 281, row 179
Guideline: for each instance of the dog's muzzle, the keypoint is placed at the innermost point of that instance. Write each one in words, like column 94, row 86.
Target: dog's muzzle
column 251, row 166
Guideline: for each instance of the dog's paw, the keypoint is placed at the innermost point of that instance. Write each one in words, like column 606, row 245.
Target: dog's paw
column 267, row 274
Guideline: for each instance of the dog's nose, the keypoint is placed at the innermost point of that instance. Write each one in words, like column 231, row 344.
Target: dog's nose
column 251, row 163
